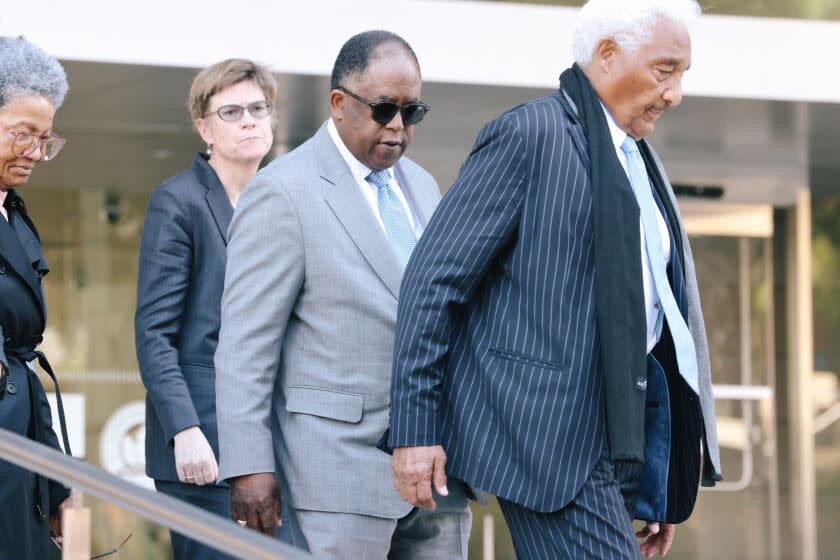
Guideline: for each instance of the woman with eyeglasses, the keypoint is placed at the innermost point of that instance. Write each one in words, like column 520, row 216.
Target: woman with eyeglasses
column 32, row 86
column 181, row 277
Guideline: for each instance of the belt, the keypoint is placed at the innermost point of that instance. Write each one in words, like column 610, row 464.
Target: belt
column 37, row 424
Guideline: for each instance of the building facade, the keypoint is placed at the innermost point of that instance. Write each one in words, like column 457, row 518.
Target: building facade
column 752, row 153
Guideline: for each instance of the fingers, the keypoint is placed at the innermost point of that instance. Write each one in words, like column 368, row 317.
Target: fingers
column 269, row 519
column 182, row 475
column 408, row 491
column 416, row 470
column 55, row 524
column 667, row 538
column 255, row 499
column 237, row 507
column 198, row 477
column 649, row 547
column 252, row 519
column 207, row 474
column 439, row 474
column 659, row 538
column 424, row 494
column 199, row 472
column 268, row 511
column 214, row 471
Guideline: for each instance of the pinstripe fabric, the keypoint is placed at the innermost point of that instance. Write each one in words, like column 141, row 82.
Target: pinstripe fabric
column 505, row 375
column 595, row 525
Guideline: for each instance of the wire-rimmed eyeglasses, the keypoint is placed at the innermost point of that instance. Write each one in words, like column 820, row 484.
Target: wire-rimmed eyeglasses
column 25, row 143
column 232, row 113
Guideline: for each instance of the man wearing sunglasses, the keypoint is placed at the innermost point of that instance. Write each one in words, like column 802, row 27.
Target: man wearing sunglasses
column 316, row 253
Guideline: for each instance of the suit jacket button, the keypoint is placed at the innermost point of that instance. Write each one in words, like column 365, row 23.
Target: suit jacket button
column 11, row 388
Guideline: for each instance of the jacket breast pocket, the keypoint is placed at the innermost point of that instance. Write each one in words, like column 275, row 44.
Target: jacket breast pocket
column 525, row 360
column 326, row 403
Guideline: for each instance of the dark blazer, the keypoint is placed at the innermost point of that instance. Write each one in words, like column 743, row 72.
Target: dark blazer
column 496, row 354
column 504, row 374
column 23, row 315
column 179, row 293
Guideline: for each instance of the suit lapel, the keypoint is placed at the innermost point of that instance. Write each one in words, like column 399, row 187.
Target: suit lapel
column 574, row 127
column 13, row 252
column 216, row 197
column 352, row 210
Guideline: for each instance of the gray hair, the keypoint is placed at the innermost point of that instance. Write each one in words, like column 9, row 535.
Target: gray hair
column 629, row 23
column 25, row 69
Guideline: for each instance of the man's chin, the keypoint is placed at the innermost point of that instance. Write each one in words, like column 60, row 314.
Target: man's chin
column 642, row 131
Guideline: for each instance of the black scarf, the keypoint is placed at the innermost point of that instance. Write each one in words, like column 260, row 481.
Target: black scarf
column 619, row 294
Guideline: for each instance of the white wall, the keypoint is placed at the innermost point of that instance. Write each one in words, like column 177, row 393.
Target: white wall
column 492, row 43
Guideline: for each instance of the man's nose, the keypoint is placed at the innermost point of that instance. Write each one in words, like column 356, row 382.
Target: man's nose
column 673, row 95
column 396, row 123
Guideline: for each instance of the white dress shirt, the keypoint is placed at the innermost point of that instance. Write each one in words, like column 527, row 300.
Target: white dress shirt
column 651, row 298
column 360, row 171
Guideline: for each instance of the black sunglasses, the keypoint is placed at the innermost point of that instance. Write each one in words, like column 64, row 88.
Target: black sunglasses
column 383, row 111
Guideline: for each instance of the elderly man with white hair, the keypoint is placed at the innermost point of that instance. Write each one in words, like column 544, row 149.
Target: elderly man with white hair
column 550, row 344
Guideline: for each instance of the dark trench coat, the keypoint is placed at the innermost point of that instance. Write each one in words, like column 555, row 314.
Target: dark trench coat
column 24, row 513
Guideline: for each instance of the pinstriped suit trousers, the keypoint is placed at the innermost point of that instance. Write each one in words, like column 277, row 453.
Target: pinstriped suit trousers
column 595, row 525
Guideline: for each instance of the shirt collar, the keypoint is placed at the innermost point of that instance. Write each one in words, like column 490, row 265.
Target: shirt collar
column 359, row 170
column 618, row 135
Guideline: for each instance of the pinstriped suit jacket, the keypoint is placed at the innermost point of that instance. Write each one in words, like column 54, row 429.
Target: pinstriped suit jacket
column 496, row 354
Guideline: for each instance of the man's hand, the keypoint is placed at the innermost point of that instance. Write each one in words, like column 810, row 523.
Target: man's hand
column 55, row 522
column 194, row 459
column 255, row 498
column 415, row 470
column 656, row 538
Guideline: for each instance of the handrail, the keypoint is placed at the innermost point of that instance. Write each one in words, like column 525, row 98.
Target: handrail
column 745, row 394
column 184, row 518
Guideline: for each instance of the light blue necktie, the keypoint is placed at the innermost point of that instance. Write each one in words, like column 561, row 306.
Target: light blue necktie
column 683, row 343
column 393, row 215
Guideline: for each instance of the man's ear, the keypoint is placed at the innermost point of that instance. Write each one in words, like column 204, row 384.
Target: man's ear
column 604, row 55
column 337, row 99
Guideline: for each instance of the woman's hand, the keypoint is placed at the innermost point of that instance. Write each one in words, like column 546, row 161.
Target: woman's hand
column 194, row 458
column 55, row 523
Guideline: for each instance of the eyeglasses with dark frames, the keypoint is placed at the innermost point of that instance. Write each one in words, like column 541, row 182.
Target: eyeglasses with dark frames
column 384, row 111
column 25, row 143
column 232, row 113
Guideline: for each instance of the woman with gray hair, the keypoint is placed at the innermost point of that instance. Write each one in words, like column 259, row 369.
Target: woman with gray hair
column 32, row 87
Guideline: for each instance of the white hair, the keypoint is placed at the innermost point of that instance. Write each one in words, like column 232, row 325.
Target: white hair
column 629, row 23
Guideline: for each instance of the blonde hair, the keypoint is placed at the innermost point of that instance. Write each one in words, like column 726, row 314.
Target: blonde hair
column 226, row 73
